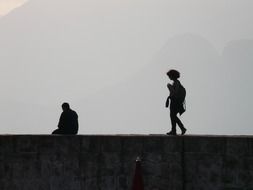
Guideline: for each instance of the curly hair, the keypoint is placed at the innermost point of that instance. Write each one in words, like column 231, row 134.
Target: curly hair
column 173, row 74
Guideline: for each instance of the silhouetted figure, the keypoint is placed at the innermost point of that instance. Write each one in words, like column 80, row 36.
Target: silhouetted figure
column 68, row 123
column 177, row 99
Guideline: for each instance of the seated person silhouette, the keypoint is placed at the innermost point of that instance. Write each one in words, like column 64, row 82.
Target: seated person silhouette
column 68, row 123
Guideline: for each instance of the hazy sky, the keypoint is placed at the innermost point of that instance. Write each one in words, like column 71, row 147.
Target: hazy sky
column 108, row 59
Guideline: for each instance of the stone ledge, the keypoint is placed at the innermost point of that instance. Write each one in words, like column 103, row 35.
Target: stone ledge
column 102, row 162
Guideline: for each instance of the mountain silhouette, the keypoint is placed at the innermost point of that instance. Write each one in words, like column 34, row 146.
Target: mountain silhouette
column 237, row 58
column 95, row 54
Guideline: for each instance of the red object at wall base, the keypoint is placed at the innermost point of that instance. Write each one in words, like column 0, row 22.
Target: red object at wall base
column 138, row 181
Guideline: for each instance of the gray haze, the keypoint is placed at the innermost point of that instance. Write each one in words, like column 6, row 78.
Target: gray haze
column 108, row 59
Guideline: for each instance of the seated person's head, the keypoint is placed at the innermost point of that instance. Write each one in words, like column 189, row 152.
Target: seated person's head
column 65, row 106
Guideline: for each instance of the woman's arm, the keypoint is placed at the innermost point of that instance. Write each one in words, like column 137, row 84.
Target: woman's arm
column 174, row 88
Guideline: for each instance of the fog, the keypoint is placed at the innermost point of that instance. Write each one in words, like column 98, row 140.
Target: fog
column 109, row 60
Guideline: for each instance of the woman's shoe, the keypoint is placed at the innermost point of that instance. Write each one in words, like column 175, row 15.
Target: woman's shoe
column 183, row 131
column 171, row 133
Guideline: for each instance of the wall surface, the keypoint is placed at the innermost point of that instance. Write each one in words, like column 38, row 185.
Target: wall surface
column 37, row 162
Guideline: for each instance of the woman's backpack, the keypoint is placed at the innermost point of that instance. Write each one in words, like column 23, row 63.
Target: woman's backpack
column 181, row 99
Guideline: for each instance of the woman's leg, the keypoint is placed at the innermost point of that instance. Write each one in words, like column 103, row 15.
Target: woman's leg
column 173, row 118
column 176, row 121
column 180, row 125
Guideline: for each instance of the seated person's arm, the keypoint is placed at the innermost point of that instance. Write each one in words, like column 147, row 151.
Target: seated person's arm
column 60, row 123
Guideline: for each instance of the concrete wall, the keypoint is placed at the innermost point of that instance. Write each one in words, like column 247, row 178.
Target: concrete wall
column 108, row 162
